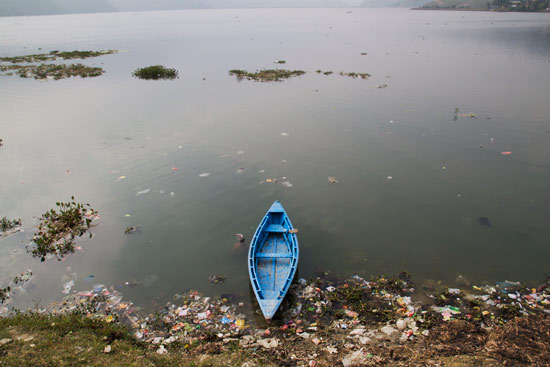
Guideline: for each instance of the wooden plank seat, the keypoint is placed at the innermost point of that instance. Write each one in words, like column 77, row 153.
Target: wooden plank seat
column 279, row 255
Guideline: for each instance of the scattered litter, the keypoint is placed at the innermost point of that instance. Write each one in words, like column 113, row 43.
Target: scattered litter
column 90, row 278
column 506, row 153
column 206, row 174
column 162, row 350
column 332, row 179
column 240, row 237
column 68, row 286
column 175, row 169
column 390, row 178
column 131, row 229
column 143, row 192
column 217, row 278
column 107, row 349
column 286, row 183
column 269, row 343
column 120, row 178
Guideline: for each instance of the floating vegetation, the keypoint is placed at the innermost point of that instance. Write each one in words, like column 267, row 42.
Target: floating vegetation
column 356, row 75
column 25, row 66
column 57, row 231
column 55, row 71
column 54, row 55
column 155, row 72
column 280, row 62
column 266, row 75
column 8, row 226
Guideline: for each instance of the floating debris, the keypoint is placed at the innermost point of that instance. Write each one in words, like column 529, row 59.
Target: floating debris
column 284, row 134
column 458, row 114
column 217, row 278
column 506, row 153
column 131, row 229
column 206, row 174
column 143, row 192
column 279, row 62
column 266, row 75
column 240, row 170
column 286, row 184
column 382, row 86
column 332, row 179
column 355, row 75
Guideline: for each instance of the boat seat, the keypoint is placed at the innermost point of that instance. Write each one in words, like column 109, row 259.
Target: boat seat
column 280, row 255
column 276, row 228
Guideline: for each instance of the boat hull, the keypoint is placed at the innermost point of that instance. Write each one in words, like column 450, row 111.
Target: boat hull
column 273, row 259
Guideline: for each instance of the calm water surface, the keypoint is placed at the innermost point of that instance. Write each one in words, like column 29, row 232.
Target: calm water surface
column 445, row 174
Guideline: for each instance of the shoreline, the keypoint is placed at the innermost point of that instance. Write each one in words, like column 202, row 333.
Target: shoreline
column 349, row 321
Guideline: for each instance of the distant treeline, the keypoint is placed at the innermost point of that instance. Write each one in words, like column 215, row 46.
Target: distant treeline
column 497, row 5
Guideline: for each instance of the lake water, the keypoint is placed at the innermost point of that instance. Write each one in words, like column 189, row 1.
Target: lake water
column 78, row 136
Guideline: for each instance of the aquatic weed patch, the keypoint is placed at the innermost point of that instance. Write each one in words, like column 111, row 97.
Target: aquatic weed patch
column 7, row 226
column 57, row 71
column 26, row 66
column 266, row 75
column 155, row 72
column 53, row 55
column 58, row 230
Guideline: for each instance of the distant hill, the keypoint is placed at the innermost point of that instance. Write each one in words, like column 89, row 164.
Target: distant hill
column 393, row 3
column 227, row 4
column 44, row 7
column 459, row 4
column 28, row 7
column 145, row 5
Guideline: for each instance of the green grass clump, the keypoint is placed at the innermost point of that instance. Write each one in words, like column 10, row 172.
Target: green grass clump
column 267, row 75
column 155, row 72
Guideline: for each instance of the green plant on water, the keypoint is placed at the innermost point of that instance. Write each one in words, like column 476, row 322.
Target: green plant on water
column 155, row 72
column 7, row 224
column 355, row 75
column 53, row 55
column 266, row 75
column 328, row 72
column 58, row 230
column 4, row 294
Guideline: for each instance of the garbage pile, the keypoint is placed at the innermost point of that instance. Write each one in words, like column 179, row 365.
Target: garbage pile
column 188, row 319
column 350, row 321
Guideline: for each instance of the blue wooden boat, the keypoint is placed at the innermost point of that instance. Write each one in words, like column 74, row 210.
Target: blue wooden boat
column 273, row 259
